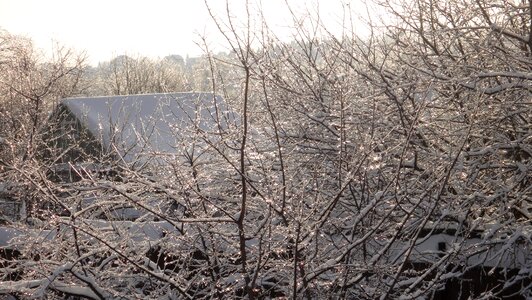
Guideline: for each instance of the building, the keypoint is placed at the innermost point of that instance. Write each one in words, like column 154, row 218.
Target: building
column 135, row 128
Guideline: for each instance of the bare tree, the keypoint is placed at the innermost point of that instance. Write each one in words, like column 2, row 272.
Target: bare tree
column 124, row 75
column 30, row 87
column 394, row 165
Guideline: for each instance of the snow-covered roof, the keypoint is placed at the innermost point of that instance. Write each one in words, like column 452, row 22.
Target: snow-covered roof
column 154, row 123
column 152, row 231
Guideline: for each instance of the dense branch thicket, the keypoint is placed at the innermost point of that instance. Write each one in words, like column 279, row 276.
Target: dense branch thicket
column 394, row 165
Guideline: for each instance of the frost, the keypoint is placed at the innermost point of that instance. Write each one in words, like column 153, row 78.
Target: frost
column 392, row 166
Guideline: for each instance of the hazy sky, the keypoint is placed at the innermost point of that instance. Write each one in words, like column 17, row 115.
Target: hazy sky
column 156, row 28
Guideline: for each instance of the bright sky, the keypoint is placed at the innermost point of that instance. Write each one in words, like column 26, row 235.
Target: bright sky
column 156, row 28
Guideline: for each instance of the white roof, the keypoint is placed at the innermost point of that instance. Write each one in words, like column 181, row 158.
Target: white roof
column 151, row 123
